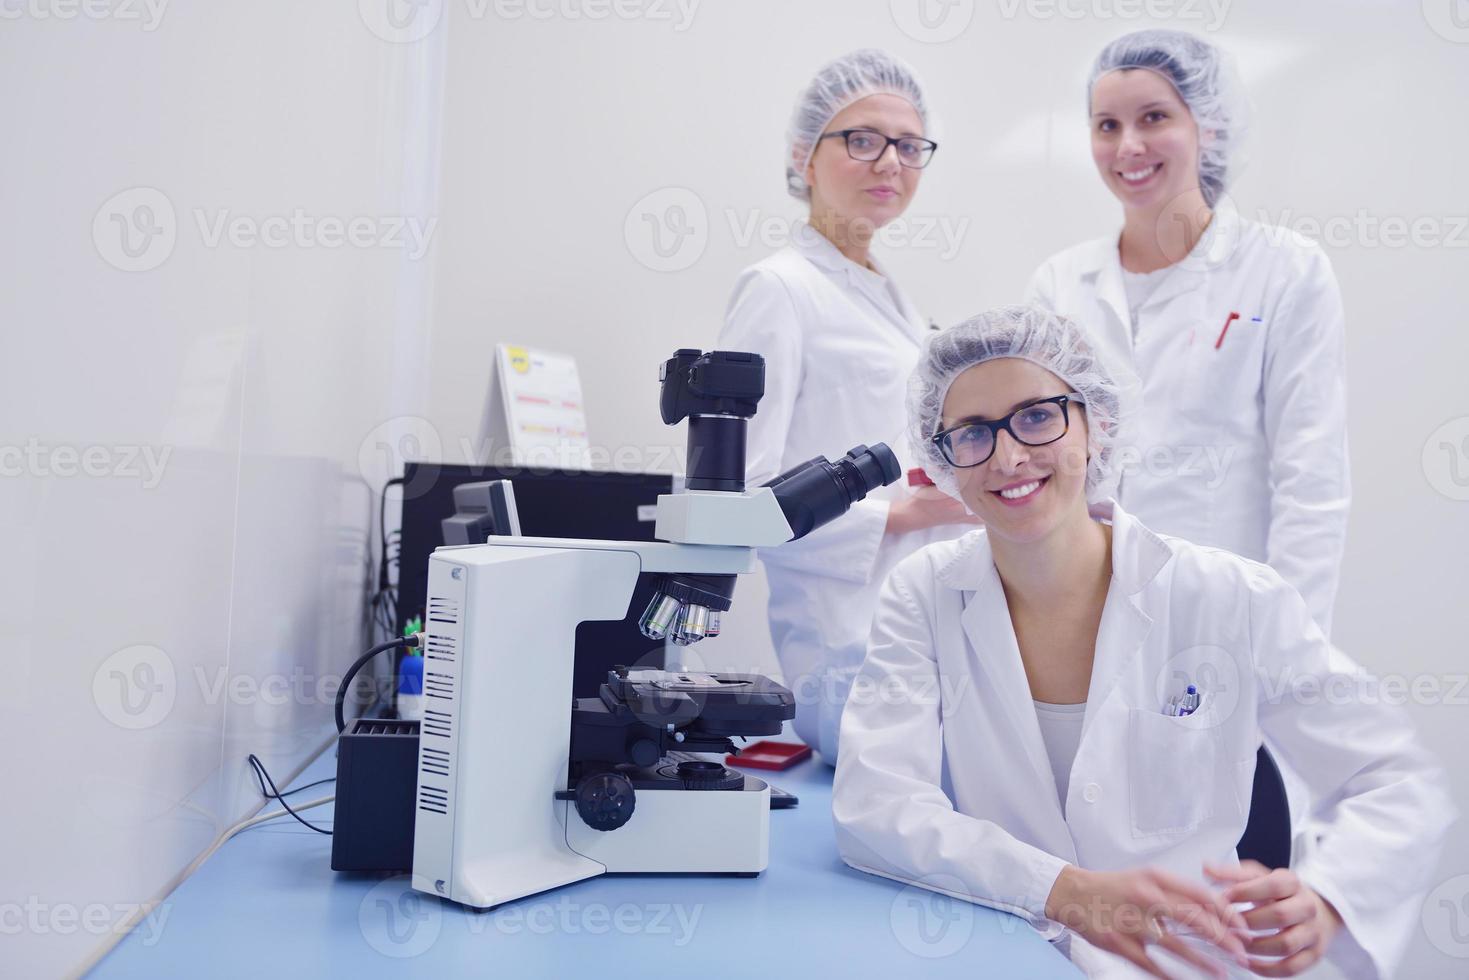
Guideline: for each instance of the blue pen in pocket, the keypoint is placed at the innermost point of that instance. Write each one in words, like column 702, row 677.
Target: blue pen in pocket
column 1181, row 705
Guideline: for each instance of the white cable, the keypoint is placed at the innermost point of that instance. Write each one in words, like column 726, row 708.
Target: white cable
column 124, row 927
column 258, row 818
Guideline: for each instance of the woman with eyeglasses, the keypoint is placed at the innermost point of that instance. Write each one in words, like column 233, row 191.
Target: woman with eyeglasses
column 1234, row 328
column 839, row 338
column 1059, row 714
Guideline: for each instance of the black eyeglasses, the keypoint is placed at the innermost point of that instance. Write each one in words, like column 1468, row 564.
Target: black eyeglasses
column 1042, row 421
column 868, row 145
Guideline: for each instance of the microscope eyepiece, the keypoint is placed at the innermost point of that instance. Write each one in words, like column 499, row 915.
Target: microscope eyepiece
column 818, row 491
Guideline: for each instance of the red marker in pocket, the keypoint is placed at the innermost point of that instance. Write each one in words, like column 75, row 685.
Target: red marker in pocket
column 1227, row 321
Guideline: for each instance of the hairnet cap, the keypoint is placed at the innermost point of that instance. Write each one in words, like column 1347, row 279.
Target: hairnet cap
column 1032, row 334
column 1205, row 80
column 838, row 84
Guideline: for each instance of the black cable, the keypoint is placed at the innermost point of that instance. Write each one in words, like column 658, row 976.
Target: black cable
column 264, row 777
column 290, row 792
column 382, row 520
column 367, row 562
column 383, row 611
column 401, row 641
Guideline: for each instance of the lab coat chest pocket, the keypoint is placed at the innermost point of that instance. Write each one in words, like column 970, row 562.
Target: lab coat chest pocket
column 1171, row 762
column 1227, row 367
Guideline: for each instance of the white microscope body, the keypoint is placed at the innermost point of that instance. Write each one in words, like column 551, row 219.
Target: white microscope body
column 499, row 631
column 495, row 818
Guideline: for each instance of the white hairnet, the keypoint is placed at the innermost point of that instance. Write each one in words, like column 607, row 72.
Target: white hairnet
column 1033, row 334
column 838, row 84
column 1205, row 80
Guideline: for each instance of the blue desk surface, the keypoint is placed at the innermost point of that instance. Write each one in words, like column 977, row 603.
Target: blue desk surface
column 268, row 904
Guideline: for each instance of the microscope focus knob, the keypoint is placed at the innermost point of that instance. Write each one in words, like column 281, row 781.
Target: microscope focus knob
column 605, row 800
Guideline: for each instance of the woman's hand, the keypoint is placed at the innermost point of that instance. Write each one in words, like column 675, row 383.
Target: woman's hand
column 1301, row 922
column 926, row 507
column 1124, row 912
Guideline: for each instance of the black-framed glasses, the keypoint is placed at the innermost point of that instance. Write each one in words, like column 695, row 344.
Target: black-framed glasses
column 1042, row 421
column 868, row 145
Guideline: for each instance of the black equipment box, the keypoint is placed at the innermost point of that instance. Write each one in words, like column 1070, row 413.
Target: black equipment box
column 377, row 774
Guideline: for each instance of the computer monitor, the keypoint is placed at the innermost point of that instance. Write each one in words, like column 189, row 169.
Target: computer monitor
column 552, row 503
column 481, row 511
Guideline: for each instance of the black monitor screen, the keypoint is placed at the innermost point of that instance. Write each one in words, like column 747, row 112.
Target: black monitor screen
column 551, row 504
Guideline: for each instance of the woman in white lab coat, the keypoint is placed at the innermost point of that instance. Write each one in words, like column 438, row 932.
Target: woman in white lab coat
column 1023, row 733
column 839, row 339
column 1234, row 328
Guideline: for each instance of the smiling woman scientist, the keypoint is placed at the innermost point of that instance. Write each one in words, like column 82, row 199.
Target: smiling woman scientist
column 1235, row 328
column 839, row 339
column 1037, row 747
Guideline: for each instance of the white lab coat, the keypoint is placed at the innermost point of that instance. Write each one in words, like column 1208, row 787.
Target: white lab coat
column 839, row 342
column 943, row 778
column 1243, row 446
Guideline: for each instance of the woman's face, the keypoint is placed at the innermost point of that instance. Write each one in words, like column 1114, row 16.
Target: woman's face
column 867, row 194
column 1022, row 493
column 1145, row 142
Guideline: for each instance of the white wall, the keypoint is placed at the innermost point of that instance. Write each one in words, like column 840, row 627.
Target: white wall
column 557, row 128
column 151, row 622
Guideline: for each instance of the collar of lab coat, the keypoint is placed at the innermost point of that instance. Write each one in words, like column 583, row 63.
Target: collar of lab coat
column 1102, row 262
column 820, row 252
column 1138, row 555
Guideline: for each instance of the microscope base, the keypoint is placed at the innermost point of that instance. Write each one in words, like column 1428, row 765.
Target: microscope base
column 672, row 830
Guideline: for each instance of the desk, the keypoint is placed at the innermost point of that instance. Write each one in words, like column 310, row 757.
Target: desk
column 268, row 905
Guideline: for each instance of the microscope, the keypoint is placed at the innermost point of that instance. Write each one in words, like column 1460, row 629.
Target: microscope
column 520, row 787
